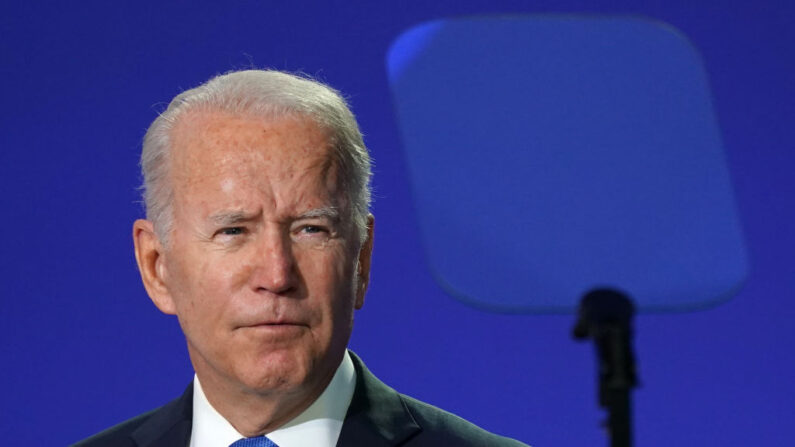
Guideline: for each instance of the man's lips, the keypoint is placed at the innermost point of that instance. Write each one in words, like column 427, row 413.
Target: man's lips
column 280, row 330
column 275, row 324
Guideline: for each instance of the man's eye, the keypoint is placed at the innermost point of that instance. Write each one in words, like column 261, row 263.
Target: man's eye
column 232, row 231
column 311, row 229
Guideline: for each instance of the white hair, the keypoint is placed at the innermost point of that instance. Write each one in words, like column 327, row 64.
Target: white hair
column 269, row 94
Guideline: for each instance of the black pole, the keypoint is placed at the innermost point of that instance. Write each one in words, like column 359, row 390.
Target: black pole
column 605, row 316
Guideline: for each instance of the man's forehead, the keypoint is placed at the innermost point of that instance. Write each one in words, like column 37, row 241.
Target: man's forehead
column 244, row 130
column 211, row 140
column 287, row 156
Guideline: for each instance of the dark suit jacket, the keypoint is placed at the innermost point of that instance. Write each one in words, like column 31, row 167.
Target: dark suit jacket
column 377, row 417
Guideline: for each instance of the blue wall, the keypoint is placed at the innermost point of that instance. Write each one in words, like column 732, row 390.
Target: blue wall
column 83, row 347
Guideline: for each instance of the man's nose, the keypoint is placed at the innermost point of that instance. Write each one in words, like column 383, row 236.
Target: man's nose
column 274, row 269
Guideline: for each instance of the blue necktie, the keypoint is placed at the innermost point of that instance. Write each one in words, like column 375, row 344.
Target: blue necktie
column 259, row 441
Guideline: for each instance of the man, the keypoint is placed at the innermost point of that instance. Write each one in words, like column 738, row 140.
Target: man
column 258, row 239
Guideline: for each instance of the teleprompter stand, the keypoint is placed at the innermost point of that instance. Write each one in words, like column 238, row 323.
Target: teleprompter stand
column 605, row 315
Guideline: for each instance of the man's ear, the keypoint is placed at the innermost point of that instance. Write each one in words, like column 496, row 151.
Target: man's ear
column 150, row 256
column 365, row 254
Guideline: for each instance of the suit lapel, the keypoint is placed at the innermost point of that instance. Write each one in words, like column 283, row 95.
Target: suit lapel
column 377, row 416
column 168, row 426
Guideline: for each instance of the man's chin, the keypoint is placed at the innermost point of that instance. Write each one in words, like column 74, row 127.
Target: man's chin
column 281, row 371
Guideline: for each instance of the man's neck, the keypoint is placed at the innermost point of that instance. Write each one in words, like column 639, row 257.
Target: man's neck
column 319, row 425
column 255, row 412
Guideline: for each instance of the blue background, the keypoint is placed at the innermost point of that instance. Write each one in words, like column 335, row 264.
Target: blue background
column 83, row 347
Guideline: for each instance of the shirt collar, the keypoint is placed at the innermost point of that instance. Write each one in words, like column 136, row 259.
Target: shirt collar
column 319, row 425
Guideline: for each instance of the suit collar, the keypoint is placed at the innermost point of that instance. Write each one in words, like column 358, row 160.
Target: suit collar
column 168, row 426
column 377, row 415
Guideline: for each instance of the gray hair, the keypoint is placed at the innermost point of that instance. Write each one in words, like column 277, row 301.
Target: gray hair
column 266, row 93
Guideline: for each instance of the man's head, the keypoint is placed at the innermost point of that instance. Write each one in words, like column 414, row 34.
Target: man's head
column 267, row 94
column 258, row 236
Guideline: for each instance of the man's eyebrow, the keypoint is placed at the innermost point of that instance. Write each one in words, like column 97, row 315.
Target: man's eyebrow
column 328, row 212
column 231, row 217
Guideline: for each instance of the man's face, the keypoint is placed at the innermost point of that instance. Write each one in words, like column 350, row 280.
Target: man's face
column 261, row 267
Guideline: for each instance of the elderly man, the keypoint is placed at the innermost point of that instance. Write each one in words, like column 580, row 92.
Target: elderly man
column 258, row 238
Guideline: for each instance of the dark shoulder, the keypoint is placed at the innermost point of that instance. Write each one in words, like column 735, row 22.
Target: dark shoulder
column 118, row 435
column 379, row 415
column 441, row 428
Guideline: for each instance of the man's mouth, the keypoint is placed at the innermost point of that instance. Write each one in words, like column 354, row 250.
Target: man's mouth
column 275, row 325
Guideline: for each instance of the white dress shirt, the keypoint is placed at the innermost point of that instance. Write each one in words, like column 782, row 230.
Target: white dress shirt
column 318, row 426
